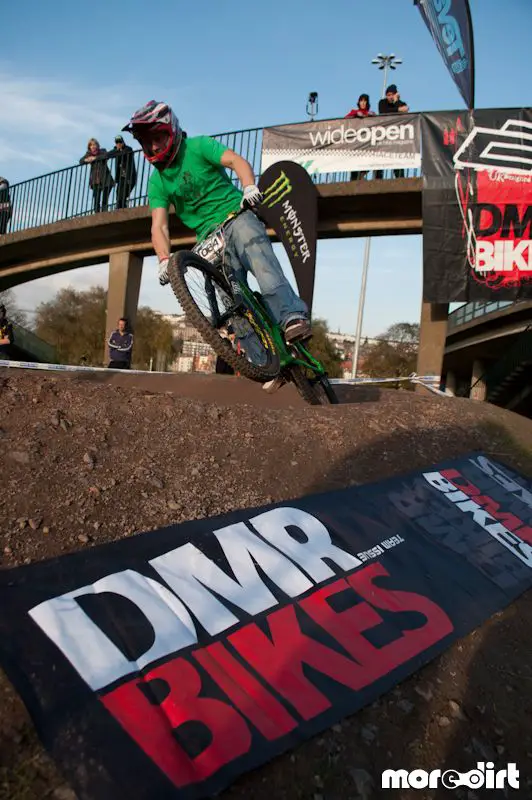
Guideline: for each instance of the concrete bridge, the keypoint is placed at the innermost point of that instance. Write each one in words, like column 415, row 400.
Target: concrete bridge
column 54, row 229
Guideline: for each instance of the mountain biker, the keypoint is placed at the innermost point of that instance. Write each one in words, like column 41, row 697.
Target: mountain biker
column 189, row 174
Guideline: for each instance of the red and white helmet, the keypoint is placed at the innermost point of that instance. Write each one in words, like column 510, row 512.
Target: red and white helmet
column 157, row 129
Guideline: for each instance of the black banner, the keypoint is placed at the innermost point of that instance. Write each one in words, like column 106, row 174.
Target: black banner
column 290, row 207
column 165, row 665
column 477, row 205
column 451, row 27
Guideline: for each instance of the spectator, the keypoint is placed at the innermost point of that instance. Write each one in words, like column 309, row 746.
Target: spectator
column 363, row 109
column 6, row 335
column 125, row 171
column 392, row 104
column 100, row 181
column 5, row 205
column 120, row 346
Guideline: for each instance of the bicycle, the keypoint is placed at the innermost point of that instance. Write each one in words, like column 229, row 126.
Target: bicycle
column 235, row 321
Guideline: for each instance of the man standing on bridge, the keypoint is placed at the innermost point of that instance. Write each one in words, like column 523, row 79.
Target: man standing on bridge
column 190, row 175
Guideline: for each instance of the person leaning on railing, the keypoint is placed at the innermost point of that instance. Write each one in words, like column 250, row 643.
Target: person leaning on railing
column 5, row 205
column 362, row 110
column 100, row 179
column 125, row 170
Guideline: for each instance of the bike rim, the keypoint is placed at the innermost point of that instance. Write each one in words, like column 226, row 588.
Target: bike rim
column 238, row 327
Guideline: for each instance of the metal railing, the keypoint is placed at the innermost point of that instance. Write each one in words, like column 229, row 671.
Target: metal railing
column 471, row 311
column 33, row 345
column 66, row 193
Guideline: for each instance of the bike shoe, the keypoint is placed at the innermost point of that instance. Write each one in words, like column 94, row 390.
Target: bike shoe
column 297, row 330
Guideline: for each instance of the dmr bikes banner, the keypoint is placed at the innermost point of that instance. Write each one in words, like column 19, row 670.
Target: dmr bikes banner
column 451, row 27
column 165, row 665
column 477, row 205
column 340, row 145
column 290, row 207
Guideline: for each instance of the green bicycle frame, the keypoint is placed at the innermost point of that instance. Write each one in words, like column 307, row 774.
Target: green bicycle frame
column 287, row 358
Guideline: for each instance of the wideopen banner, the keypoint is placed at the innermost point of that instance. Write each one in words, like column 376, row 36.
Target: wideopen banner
column 451, row 27
column 166, row 664
column 339, row 145
column 477, row 205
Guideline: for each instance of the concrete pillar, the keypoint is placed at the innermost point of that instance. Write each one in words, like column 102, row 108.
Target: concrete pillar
column 450, row 383
column 478, row 390
column 432, row 336
column 125, row 273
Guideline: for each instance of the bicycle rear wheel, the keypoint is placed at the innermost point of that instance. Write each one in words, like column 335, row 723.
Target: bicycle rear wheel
column 234, row 331
column 315, row 391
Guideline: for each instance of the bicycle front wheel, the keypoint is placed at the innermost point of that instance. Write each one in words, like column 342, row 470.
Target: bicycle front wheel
column 234, row 330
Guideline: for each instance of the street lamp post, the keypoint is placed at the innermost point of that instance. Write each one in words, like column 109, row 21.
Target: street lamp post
column 385, row 63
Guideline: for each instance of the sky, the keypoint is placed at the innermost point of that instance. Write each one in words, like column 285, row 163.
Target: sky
column 69, row 72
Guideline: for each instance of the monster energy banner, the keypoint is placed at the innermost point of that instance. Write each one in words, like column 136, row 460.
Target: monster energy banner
column 290, row 207
column 477, row 205
column 449, row 22
column 164, row 665
column 341, row 145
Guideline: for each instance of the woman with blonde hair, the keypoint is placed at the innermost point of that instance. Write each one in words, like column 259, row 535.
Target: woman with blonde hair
column 100, row 179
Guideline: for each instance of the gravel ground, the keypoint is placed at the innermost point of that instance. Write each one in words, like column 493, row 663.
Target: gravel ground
column 88, row 460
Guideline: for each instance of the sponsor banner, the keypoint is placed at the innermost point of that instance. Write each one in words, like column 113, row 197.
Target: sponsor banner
column 290, row 207
column 451, row 27
column 477, row 205
column 166, row 664
column 340, row 145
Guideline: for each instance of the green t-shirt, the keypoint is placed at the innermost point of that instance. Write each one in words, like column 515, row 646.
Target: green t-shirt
column 196, row 185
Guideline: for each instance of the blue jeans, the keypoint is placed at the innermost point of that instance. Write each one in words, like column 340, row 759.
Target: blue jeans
column 248, row 249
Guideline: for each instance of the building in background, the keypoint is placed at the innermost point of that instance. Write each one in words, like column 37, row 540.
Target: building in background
column 195, row 355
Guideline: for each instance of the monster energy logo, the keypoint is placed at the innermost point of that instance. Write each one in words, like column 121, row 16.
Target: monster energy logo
column 279, row 189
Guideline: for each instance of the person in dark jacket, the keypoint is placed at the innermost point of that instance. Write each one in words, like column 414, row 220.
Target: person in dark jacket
column 6, row 335
column 125, row 171
column 120, row 346
column 100, row 180
column 5, row 205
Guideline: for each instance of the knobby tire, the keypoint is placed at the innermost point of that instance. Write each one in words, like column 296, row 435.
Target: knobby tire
column 176, row 272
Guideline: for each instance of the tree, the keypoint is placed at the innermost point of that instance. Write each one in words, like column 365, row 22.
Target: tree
column 74, row 321
column 395, row 353
column 14, row 314
column 154, row 338
column 324, row 350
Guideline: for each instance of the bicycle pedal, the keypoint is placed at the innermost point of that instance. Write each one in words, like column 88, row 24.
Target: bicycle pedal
column 274, row 385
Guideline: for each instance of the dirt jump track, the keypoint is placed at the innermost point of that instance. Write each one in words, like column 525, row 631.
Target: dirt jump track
column 91, row 458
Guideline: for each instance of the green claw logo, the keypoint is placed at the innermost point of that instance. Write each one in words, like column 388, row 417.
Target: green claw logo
column 279, row 189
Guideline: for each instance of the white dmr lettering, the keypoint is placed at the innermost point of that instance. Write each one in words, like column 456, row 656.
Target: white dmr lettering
column 503, row 256
column 194, row 577
column 90, row 651
column 198, row 587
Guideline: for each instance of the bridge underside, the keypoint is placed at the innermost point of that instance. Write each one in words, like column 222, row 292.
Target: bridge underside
column 357, row 208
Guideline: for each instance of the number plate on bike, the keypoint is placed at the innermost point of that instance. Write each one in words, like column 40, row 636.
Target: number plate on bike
column 211, row 249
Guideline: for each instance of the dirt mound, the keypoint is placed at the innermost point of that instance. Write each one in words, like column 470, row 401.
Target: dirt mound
column 86, row 461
